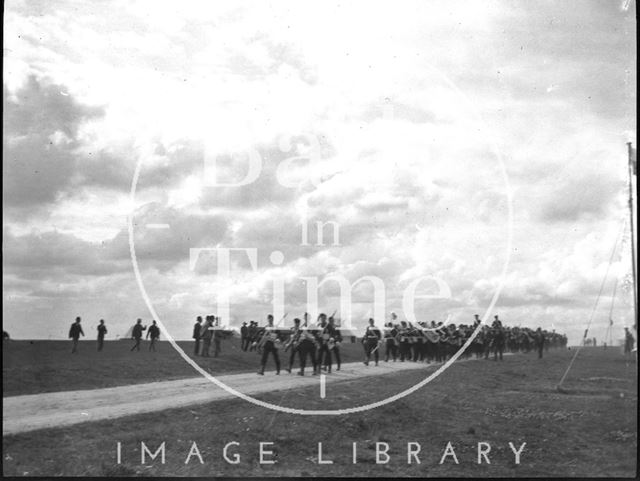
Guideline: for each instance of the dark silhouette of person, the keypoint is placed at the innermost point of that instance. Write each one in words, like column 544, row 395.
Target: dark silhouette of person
column 75, row 331
column 154, row 333
column 136, row 333
column 196, row 335
column 206, row 335
column 540, row 342
column 268, row 342
column 335, row 345
column 371, row 339
column 102, row 330
column 628, row 341
column 217, row 336
column 244, row 337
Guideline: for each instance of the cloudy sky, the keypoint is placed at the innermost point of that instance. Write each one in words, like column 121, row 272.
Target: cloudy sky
column 410, row 125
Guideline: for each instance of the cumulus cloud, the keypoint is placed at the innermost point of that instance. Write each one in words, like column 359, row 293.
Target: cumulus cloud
column 405, row 136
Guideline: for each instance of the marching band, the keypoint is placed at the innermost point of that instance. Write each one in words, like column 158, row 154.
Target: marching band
column 403, row 341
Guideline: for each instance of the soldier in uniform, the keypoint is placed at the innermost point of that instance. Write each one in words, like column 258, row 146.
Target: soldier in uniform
column 253, row 331
column 268, row 342
column 403, row 341
column 206, row 333
column 498, row 338
column 102, row 330
column 391, row 343
column 154, row 333
column 75, row 331
column 327, row 333
column 293, row 342
column 244, row 337
column 372, row 340
column 337, row 340
column 539, row 342
column 307, row 347
column 136, row 333
column 197, row 327
column 217, row 336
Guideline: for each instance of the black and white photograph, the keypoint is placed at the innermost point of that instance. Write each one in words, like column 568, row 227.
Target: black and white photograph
column 305, row 239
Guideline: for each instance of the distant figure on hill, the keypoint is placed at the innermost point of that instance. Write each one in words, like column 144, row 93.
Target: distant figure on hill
column 628, row 341
column 74, row 334
column 206, row 333
column 102, row 330
column 136, row 333
column 217, row 336
column 196, row 335
column 540, row 342
column 154, row 333
column 253, row 333
column 244, row 337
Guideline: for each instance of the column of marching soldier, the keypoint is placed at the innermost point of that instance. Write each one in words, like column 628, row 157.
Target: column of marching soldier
column 319, row 343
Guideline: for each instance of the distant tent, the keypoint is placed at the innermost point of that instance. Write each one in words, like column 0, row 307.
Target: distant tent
column 129, row 334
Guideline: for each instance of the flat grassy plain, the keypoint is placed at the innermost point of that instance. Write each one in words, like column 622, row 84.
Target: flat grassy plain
column 588, row 430
column 32, row 367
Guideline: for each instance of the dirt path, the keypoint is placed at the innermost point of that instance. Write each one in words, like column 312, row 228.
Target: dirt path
column 39, row 411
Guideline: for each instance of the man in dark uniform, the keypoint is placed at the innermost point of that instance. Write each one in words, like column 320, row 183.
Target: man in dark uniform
column 293, row 342
column 253, row 330
column 498, row 338
column 372, row 340
column 403, row 341
column 206, row 334
column 102, row 330
column 307, row 347
column 391, row 343
column 217, row 336
column 244, row 337
column 75, row 331
column 196, row 335
column 335, row 345
column 539, row 342
column 268, row 341
column 628, row 341
column 154, row 333
column 136, row 333
column 327, row 333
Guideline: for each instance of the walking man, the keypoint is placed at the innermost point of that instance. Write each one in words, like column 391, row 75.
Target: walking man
column 268, row 342
column 102, row 330
column 74, row 334
column 372, row 339
column 217, row 336
column 136, row 333
column 207, row 334
column 498, row 338
column 327, row 333
column 154, row 333
column 335, row 345
column 307, row 348
column 196, row 335
column 293, row 342
column 540, row 342
column 244, row 337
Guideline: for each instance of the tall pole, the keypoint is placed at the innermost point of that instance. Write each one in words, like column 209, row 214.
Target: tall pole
column 633, row 252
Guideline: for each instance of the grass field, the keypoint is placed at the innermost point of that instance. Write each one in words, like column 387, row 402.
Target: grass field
column 31, row 367
column 588, row 430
